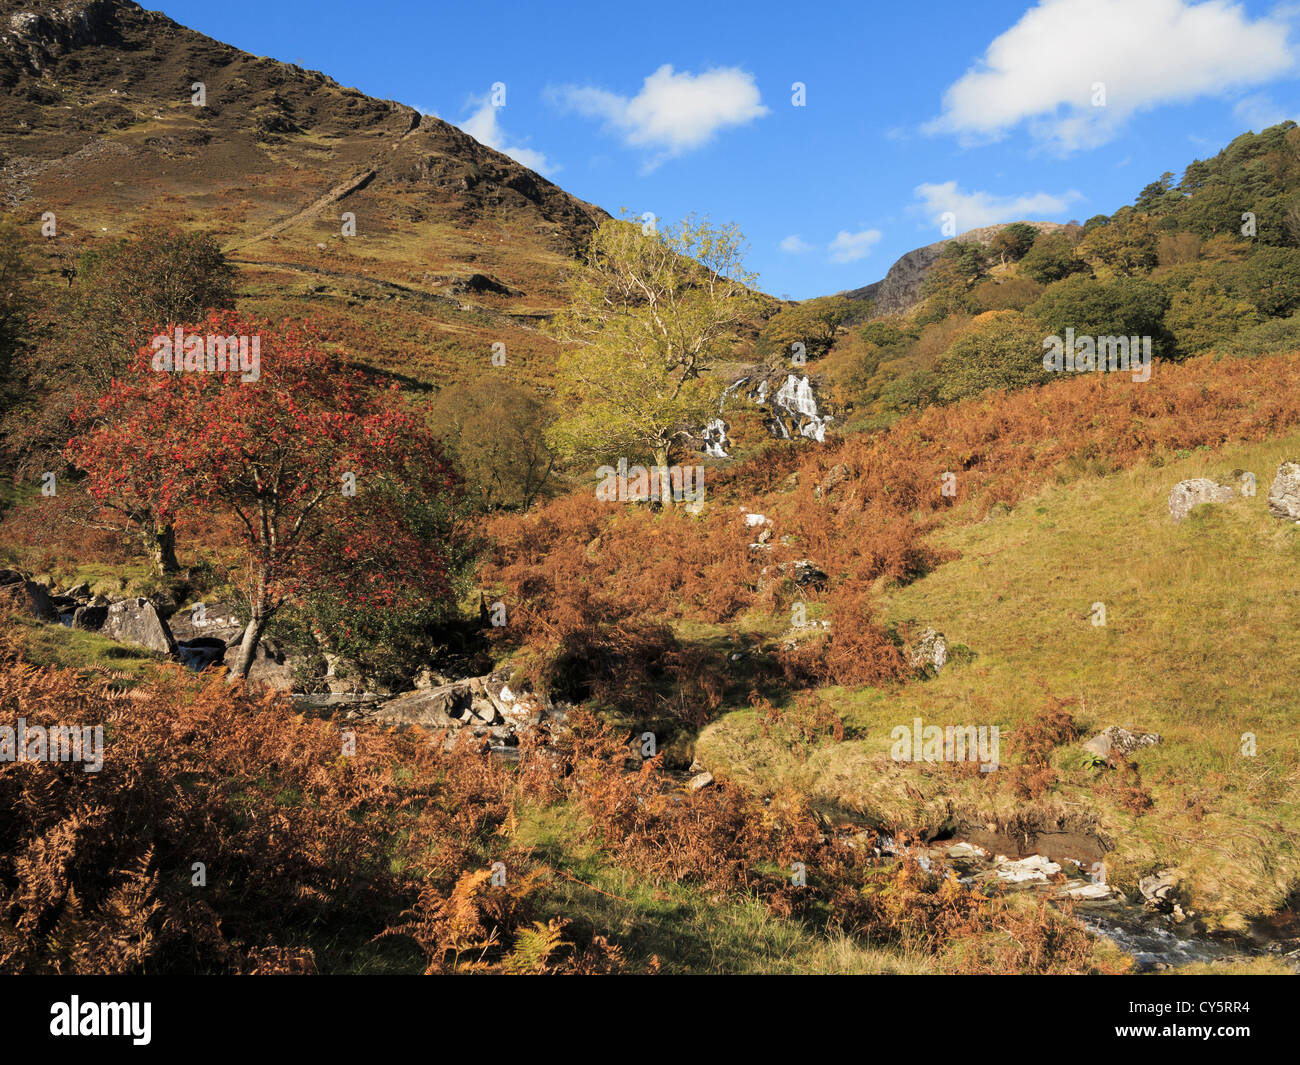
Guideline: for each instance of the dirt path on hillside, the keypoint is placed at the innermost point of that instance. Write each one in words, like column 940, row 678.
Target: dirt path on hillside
column 341, row 191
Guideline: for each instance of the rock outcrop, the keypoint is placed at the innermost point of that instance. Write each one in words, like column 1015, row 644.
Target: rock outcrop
column 137, row 621
column 900, row 289
column 1119, row 740
column 26, row 597
column 1187, row 494
column 485, row 706
column 929, row 652
column 1284, row 495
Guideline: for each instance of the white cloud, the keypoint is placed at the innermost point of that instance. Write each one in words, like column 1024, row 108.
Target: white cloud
column 673, row 113
column 1258, row 112
column 795, row 245
column 1145, row 52
column 975, row 209
column 850, row 247
column 484, row 127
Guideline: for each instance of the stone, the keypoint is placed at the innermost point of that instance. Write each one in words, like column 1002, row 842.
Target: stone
column 10, row 576
column 805, row 573
column 930, row 651
column 1090, row 891
column 1034, row 869
column 1115, row 739
column 1160, row 890
column 217, row 620
column 1187, row 494
column 271, row 666
column 28, row 597
column 835, row 476
column 967, row 852
column 90, row 618
column 700, row 782
column 447, row 706
column 137, row 621
column 80, row 591
column 1284, row 495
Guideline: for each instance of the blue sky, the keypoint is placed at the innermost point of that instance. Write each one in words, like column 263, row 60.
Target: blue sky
column 991, row 111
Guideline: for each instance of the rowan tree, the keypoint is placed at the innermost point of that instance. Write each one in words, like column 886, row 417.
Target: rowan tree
column 327, row 476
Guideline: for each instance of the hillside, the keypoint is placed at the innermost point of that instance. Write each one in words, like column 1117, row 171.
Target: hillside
column 457, row 246
column 899, row 291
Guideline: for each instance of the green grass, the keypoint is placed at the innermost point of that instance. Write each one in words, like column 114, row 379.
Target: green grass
column 1198, row 646
column 55, row 647
column 686, row 928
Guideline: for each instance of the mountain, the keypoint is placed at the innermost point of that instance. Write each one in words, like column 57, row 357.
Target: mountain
column 900, row 289
column 457, row 246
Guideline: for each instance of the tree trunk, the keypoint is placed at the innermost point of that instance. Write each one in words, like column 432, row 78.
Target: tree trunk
column 247, row 648
column 665, row 478
column 160, row 542
column 252, row 633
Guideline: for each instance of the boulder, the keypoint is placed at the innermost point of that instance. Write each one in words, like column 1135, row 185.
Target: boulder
column 447, row 706
column 835, row 476
column 1090, row 891
column 10, row 576
column 1119, row 740
column 90, row 617
column 805, row 573
column 1188, row 494
column 1284, row 495
column 1034, row 869
column 137, row 621
column 271, row 666
column 930, row 651
column 28, row 597
column 1160, row 890
column 80, row 591
column 217, row 620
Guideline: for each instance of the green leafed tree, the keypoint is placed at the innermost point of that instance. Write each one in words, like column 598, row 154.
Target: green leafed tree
column 649, row 312
column 813, row 324
column 495, row 432
column 1000, row 349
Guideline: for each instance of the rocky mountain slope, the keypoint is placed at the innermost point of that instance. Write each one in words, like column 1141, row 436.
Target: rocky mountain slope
column 900, row 289
column 456, row 246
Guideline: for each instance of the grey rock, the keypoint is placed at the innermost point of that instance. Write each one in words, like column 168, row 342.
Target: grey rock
column 1187, row 494
column 930, row 651
column 137, row 621
column 1115, row 739
column 90, row 618
column 28, row 597
column 805, row 573
column 1284, row 495
column 271, row 666
column 700, row 782
column 1160, row 889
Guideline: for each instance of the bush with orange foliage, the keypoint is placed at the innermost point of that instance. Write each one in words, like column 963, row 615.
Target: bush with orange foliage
column 300, row 842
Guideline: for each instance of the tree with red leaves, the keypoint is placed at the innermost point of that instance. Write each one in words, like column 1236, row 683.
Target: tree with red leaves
column 326, row 475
